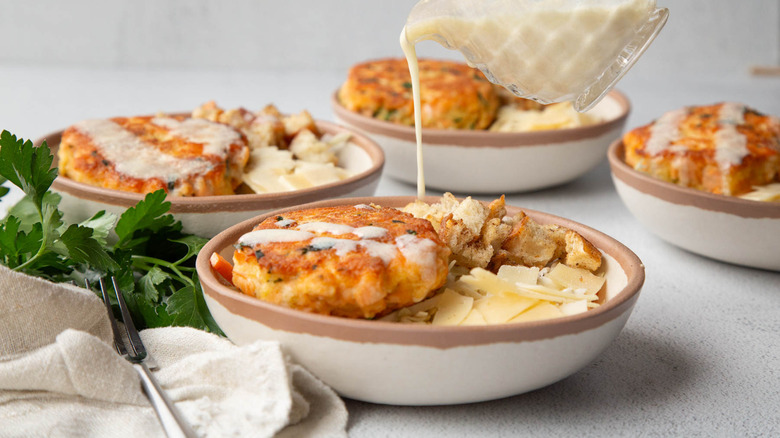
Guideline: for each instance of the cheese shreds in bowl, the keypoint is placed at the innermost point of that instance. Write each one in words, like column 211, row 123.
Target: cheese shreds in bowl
column 287, row 152
column 505, row 269
column 514, row 294
column 562, row 115
column 767, row 193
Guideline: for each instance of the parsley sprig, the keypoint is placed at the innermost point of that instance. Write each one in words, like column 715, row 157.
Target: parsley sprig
column 152, row 259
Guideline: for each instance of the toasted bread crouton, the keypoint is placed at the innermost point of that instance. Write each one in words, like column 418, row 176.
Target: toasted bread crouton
column 434, row 213
column 471, row 215
column 472, row 231
column 266, row 131
column 486, row 237
column 209, row 111
column 580, row 253
column 270, row 111
column 531, row 244
column 307, row 147
column 238, row 118
column 297, row 123
column 461, row 231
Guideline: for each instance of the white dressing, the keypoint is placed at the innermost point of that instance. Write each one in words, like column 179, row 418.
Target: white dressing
column 136, row 158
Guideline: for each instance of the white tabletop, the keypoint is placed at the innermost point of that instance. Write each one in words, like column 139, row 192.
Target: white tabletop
column 699, row 355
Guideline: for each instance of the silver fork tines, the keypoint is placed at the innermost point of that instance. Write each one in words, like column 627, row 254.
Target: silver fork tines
column 170, row 418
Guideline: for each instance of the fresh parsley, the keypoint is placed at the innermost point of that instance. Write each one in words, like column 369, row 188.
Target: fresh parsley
column 152, row 259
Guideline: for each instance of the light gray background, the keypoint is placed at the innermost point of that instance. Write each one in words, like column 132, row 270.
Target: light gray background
column 702, row 36
column 699, row 355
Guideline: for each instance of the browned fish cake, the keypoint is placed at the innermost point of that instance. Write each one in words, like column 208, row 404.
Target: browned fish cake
column 353, row 261
column 452, row 95
column 183, row 156
column 724, row 148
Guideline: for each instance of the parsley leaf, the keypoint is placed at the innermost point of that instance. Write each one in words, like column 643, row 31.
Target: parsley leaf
column 149, row 214
column 194, row 245
column 26, row 166
column 101, row 224
column 83, row 248
column 188, row 308
column 3, row 189
column 28, row 212
column 9, row 233
column 182, row 307
column 149, row 282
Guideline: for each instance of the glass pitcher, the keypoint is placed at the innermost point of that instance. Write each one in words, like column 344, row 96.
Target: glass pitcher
column 545, row 50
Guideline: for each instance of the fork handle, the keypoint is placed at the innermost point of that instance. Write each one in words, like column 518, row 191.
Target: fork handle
column 170, row 417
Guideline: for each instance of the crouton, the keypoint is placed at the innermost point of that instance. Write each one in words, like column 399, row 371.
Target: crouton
column 307, row 147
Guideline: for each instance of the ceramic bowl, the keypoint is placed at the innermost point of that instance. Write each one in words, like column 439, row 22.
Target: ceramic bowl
column 473, row 162
column 401, row 364
column 208, row 215
column 725, row 228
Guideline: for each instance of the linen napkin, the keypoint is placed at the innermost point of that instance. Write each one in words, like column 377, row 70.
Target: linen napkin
column 60, row 376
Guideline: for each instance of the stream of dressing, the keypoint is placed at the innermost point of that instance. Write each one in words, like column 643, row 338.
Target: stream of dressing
column 414, row 72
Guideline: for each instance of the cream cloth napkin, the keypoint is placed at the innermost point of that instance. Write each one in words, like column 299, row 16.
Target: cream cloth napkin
column 60, row 376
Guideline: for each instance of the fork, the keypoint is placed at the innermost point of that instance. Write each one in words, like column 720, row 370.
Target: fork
column 171, row 419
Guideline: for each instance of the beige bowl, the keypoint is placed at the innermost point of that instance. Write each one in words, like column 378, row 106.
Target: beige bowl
column 208, row 215
column 393, row 363
column 725, row 228
column 474, row 162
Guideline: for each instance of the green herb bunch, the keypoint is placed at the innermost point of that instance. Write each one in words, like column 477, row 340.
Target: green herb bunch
column 150, row 256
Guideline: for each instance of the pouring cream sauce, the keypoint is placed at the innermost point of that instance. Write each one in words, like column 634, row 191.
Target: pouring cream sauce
column 549, row 51
column 414, row 72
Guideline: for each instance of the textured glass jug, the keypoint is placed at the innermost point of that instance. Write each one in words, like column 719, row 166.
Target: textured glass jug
column 545, row 50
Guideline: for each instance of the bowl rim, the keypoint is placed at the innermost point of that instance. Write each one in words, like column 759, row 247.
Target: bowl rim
column 232, row 203
column 368, row 331
column 483, row 138
column 681, row 195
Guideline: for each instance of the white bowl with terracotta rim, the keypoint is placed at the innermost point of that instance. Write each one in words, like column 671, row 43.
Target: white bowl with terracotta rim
column 720, row 227
column 208, row 215
column 473, row 162
column 401, row 364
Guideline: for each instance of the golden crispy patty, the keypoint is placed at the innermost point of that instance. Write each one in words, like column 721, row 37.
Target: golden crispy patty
column 724, row 148
column 353, row 261
column 453, row 95
column 183, row 156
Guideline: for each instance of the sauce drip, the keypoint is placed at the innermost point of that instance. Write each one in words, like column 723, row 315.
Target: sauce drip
column 136, row 158
column 665, row 131
column 419, row 251
column 414, row 73
column 730, row 144
column 215, row 138
column 260, row 237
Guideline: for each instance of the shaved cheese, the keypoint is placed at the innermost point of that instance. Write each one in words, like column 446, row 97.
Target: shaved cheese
column 574, row 307
column 500, row 309
column 518, row 274
column 485, row 280
column 320, row 173
column 514, row 294
column 474, row 318
column 767, row 193
column 453, row 308
column 295, row 182
column 555, row 116
column 576, row 278
column 540, row 311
